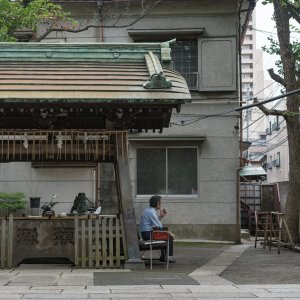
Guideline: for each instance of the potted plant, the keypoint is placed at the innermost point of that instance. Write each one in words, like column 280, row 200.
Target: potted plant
column 10, row 202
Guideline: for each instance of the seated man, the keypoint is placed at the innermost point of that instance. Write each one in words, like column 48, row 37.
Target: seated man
column 150, row 220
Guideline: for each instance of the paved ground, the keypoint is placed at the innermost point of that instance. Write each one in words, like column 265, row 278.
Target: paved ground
column 221, row 276
column 260, row 266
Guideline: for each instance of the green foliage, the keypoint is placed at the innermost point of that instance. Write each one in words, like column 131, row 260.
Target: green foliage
column 295, row 3
column 12, row 200
column 274, row 49
column 17, row 15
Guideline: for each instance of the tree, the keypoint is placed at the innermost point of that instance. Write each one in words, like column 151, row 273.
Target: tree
column 287, row 13
column 43, row 17
column 18, row 15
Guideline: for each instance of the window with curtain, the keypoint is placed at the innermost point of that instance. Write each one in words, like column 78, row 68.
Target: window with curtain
column 167, row 171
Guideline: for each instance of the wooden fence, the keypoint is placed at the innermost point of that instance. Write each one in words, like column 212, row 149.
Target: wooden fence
column 6, row 242
column 100, row 243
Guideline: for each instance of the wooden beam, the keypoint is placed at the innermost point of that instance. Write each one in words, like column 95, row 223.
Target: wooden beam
column 124, row 184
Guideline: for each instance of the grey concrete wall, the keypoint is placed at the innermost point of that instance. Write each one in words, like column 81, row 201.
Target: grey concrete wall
column 215, row 205
column 44, row 182
column 219, row 18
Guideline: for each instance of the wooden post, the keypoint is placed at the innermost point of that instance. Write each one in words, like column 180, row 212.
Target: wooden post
column 10, row 241
column 122, row 166
column 76, row 242
column 3, row 246
column 104, row 244
column 97, row 245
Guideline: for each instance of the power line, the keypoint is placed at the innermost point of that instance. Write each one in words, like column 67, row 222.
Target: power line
column 297, row 91
column 186, row 123
column 275, row 34
column 274, row 91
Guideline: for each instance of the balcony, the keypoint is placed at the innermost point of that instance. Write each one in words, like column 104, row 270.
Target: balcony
column 191, row 80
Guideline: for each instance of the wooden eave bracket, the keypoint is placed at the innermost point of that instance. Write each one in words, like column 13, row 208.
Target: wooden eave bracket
column 157, row 78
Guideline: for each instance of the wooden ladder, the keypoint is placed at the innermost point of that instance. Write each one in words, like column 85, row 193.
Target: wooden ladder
column 276, row 231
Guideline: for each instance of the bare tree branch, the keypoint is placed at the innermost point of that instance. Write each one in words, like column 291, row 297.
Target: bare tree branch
column 62, row 28
column 266, row 111
column 276, row 77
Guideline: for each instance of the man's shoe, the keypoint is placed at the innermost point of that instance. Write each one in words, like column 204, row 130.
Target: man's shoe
column 172, row 260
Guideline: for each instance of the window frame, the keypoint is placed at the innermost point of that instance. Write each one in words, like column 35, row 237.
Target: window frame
column 166, row 166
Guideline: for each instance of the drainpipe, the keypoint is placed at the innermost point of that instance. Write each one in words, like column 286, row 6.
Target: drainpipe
column 238, row 205
column 99, row 5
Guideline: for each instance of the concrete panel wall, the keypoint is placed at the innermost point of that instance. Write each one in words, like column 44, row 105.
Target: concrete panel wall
column 44, row 182
column 218, row 163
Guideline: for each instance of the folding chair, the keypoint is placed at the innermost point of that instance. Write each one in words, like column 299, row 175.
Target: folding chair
column 153, row 244
column 156, row 236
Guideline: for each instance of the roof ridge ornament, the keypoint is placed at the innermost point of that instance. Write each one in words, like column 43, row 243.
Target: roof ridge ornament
column 158, row 79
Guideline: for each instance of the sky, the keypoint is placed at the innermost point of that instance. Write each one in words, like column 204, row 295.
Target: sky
column 264, row 22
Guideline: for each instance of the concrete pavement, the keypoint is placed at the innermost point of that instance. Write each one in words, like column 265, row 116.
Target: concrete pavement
column 64, row 282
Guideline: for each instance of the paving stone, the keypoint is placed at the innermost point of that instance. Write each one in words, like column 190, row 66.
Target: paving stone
column 213, row 294
column 284, row 290
column 130, row 287
column 58, row 287
column 91, row 271
column 30, row 278
column 16, row 289
column 209, row 270
column 11, row 296
column 130, row 296
column 103, row 291
column 79, row 275
column 55, row 296
column 213, row 280
column 215, row 288
column 44, row 291
column 144, row 292
column 268, row 286
column 44, row 267
column 75, row 281
column 286, row 294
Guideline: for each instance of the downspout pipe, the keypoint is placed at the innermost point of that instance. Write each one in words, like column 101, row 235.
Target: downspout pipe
column 241, row 34
column 99, row 5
